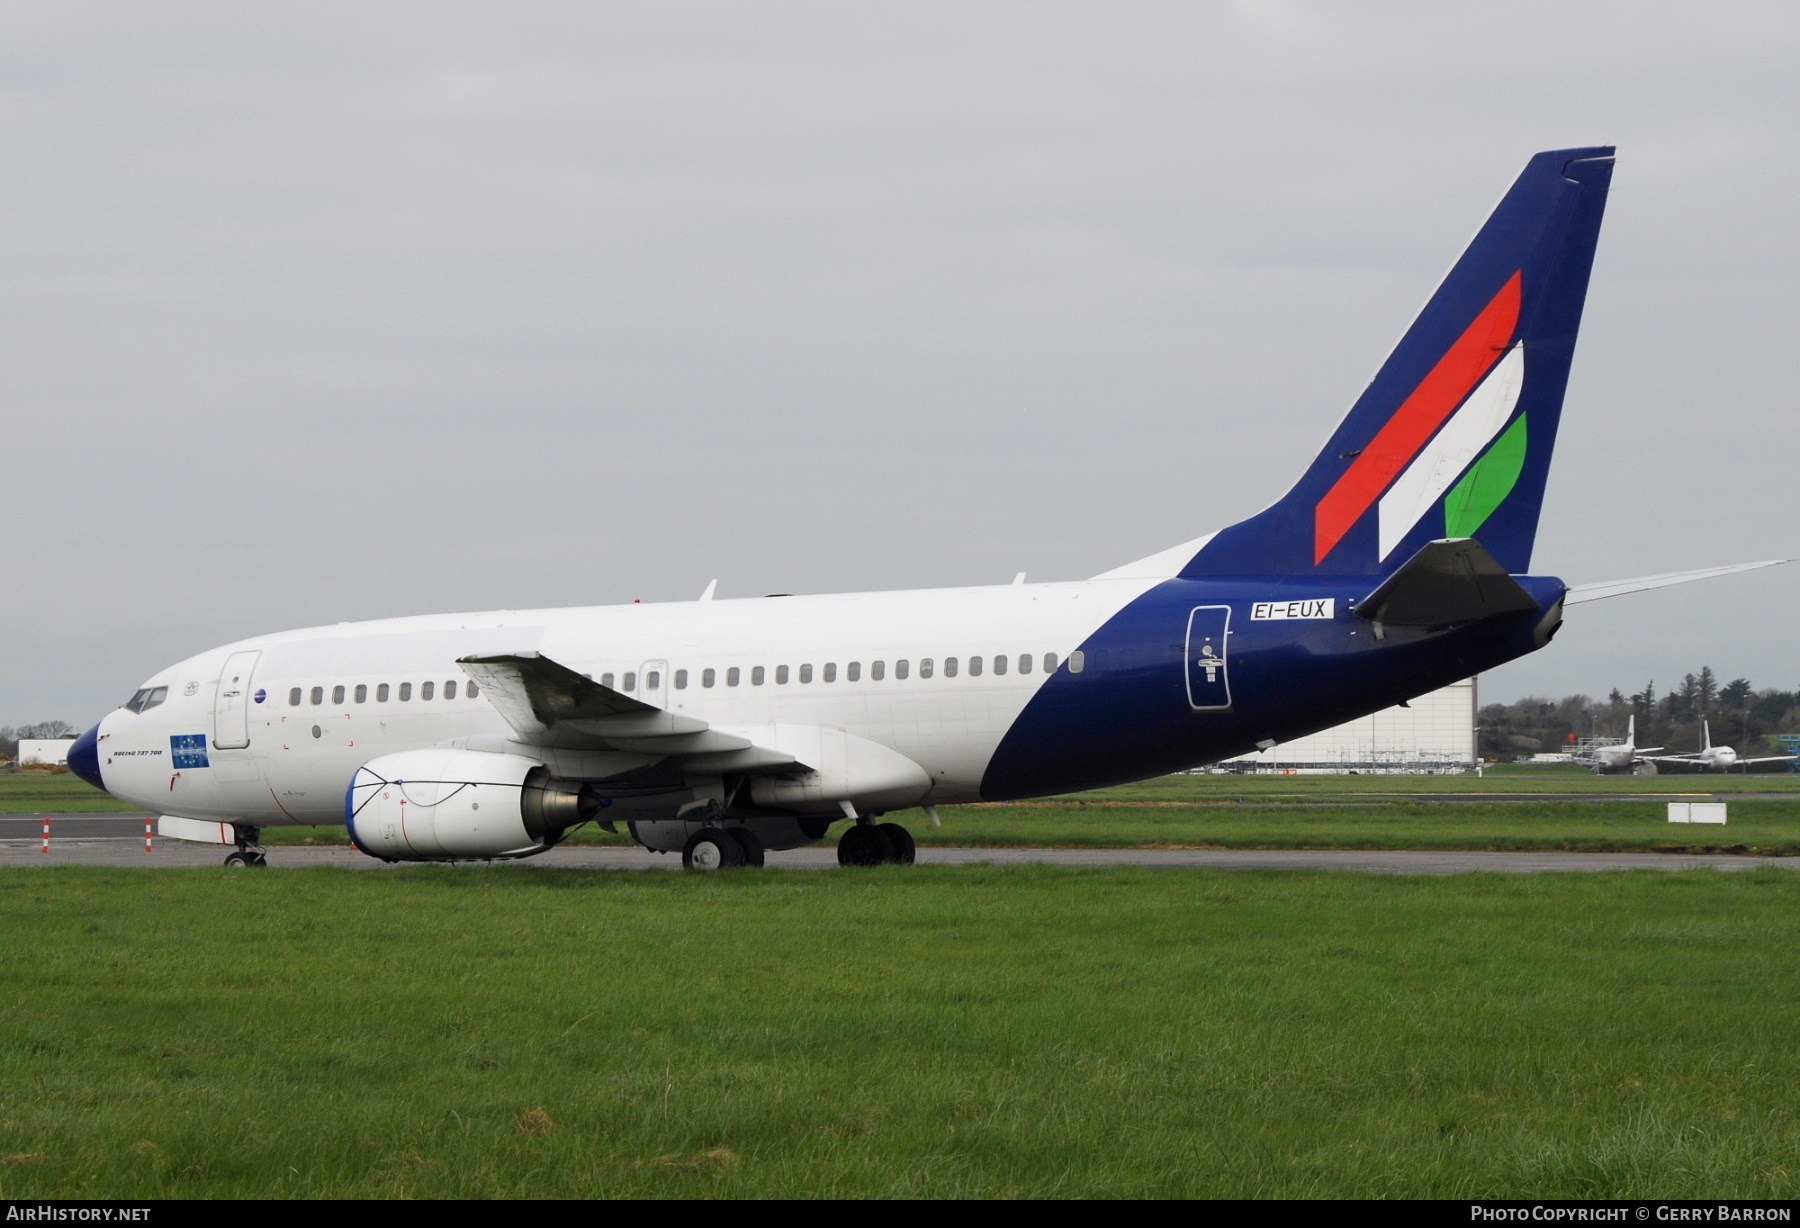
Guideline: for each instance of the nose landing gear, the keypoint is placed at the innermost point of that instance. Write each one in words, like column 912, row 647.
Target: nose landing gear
column 249, row 853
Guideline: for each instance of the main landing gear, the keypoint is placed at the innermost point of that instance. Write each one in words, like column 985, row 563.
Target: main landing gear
column 722, row 848
column 868, row 843
column 249, row 853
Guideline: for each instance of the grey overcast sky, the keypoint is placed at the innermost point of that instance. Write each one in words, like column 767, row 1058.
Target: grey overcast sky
column 325, row 311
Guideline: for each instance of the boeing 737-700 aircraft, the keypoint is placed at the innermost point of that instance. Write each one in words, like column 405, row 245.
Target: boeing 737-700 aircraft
column 720, row 729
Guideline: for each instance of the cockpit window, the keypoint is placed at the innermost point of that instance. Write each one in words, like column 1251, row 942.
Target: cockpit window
column 147, row 698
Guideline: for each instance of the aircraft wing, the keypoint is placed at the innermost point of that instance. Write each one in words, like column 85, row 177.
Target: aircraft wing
column 1618, row 588
column 548, row 704
column 1769, row 759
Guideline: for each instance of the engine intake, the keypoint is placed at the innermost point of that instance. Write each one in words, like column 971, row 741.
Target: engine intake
column 454, row 805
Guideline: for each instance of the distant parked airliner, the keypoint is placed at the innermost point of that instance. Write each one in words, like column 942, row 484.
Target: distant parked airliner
column 720, row 729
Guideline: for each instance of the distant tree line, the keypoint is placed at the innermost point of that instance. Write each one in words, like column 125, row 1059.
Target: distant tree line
column 1742, row 716
column 9, row 735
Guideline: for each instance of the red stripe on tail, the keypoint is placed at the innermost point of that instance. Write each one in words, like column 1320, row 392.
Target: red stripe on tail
column 1417, row 420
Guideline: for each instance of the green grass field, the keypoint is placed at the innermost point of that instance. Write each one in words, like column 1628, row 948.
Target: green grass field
column 58, row 793
column 1505, row 779
column 936, row 1031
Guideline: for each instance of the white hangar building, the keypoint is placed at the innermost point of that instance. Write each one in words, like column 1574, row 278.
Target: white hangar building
column 1434, row 734
column 44, row 751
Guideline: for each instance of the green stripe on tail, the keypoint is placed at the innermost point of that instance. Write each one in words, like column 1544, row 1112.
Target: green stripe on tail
column 1485, row 486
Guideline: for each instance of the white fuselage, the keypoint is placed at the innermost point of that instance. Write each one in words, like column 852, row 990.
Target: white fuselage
column 317, row 703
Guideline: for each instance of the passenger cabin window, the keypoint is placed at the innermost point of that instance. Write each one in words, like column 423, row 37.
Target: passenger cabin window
column 1049, row 663
column 831, row 671
column 426, row 689
column 900, row 669
column 999, row 665
column 877, row 670
column 362, row 693
column 631, row 680
column 337, row 694
column 1024, row 663
column 708, row 677
column 381, row 693
column 681, row 680
column 405, row 691
column 732, row 676
column 853, row 671
column 606, row 680
column 949, row 667
column 652, row 679
column 805, row 674
column 318, row 695
column 756, row 676
column 1077, row 661
column 473, row 690
column 925, row 667
column 781, row 675
column 450, row 690
column 293, row 698
column 974, row 667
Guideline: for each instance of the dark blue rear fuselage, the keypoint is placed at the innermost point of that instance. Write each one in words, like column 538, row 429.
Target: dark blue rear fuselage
column 1132, row 711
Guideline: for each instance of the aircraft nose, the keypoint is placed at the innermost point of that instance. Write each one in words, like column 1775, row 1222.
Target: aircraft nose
column 84, row 757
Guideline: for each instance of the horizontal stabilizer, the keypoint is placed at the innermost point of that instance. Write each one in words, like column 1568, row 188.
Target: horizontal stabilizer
column 1618, row 588
column 1448, row 581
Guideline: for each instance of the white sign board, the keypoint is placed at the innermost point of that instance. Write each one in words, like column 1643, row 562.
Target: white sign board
column 1696, row 812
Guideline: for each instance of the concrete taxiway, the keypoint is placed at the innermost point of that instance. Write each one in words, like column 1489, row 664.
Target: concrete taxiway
column 118, row 840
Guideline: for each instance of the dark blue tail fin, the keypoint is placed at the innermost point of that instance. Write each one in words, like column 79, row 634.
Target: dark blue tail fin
column 1453, row 437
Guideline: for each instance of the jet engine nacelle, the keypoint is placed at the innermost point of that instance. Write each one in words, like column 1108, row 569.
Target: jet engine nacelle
column 451, row 805
column 841, row 767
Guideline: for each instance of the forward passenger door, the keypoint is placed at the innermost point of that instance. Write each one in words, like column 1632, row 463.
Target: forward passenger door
column 231, row 703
